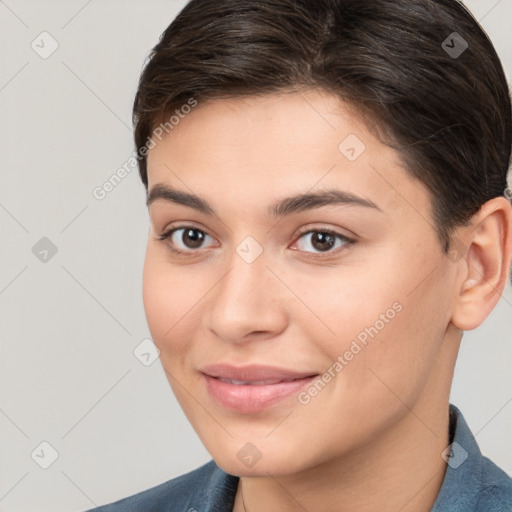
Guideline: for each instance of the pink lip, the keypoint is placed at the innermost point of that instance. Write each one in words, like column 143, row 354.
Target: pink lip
column 252, row 397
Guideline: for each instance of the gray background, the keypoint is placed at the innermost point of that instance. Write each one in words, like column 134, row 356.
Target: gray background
column 69, row 325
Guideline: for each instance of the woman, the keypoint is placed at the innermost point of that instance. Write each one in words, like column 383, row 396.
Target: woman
column 329, row 213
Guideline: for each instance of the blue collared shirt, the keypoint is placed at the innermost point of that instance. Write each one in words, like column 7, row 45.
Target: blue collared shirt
column 472, row 483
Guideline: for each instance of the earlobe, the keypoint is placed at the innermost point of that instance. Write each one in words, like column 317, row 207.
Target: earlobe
column 486, row 263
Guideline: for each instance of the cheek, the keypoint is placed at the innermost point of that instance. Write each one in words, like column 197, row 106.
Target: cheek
column 344, row 305
column 172, row 308
column 401, row 354
column 168, row 301
column 382, row 324
column 156, row 297
column 171, row 305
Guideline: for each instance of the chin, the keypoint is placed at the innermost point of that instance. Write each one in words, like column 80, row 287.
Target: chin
column 248, row 461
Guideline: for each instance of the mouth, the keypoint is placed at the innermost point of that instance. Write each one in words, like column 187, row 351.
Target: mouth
column 253, row 382
column 253, row 388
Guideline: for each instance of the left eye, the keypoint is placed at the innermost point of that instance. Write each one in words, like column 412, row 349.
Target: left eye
column 323, row 241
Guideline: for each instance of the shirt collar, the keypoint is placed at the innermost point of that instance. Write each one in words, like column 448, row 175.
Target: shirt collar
column 462, row 481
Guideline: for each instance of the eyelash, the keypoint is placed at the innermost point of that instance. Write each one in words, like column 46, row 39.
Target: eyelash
column 347, row 241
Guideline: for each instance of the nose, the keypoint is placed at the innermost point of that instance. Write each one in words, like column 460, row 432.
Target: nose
column 248, row 303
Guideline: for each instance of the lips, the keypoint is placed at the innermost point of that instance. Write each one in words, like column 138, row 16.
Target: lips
column 253, row 373
column 251, row 382
column 252, row 388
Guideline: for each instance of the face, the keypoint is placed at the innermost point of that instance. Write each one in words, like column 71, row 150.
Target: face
column 293, row 281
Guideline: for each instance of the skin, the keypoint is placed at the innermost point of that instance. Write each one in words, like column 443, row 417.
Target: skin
column 372, row 439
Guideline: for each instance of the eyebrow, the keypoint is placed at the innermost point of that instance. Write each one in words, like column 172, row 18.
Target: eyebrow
column 281, row 208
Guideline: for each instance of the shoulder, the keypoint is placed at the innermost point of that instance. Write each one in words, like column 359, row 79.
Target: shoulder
column 185, row 492
column 496, row 489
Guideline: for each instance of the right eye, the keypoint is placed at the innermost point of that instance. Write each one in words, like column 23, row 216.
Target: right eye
column 184, row 240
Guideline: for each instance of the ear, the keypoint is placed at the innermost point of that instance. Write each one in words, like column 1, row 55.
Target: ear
column 484, row 268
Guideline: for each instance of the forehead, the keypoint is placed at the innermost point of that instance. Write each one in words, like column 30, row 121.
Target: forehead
column 282, row 121
column 273, row 145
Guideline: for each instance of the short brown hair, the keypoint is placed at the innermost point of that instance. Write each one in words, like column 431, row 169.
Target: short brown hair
column 449, row 115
